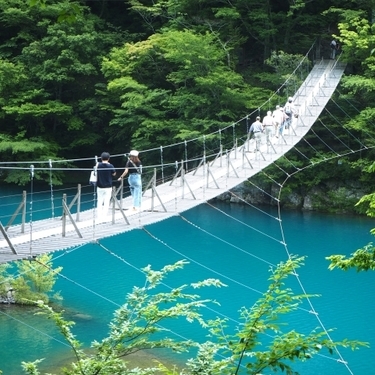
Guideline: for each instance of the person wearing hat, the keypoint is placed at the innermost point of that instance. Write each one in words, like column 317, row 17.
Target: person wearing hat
column 133, row 167
column 256, row 128
column 278, row 118
column 268, row 125
column 289, row 111
column 284, row 119
column 105, row 171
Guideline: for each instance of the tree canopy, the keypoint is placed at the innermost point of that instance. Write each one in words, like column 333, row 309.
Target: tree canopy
column 80, row 76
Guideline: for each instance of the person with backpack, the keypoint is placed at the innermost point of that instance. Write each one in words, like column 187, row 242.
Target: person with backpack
column 289, row 112
column 277, row 119
column 334, row 47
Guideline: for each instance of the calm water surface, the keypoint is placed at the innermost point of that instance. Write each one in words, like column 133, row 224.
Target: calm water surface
column 239, row 248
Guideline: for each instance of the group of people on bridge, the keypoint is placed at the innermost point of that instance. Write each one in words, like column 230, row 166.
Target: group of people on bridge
column 273, row 124
column 104, row 172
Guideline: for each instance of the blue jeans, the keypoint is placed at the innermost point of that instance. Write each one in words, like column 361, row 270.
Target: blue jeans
column 135, row 184
column 284, row 125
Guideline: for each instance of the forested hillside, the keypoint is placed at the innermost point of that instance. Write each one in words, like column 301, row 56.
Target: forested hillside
column 80, row 77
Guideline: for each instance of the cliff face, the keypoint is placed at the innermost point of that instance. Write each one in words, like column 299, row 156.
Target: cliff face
column 326, row 197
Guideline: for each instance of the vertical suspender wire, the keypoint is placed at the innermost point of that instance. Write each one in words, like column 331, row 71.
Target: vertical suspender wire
column 247, row 133
column 161, row 162
column 204, row 147
column 278, row 96
column 186, row 158
column 234, row 134
column 176, row 186
column 31, row 207
column 51, row 186
column 204, row 168
column 94, row 198
column 220, row 147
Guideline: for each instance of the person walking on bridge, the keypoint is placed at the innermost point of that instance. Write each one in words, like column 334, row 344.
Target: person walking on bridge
column 289, row 111
column 268, row 125
column 134, row 168
column 334, row 47
column 105, row 171
column 278, row 118
column 257, row 129
column 284, row 121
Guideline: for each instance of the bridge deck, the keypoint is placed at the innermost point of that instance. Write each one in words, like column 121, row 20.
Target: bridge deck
column 194, row 188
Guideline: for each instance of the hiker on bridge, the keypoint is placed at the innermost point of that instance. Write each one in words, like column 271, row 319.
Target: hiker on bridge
column 134, row 168
column 256, row 128
column 268, row 126
column 289, row 111
column 105, row 171
column 279, row 118
column 334, row 47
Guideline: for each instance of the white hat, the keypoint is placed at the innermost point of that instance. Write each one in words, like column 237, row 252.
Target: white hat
column 134, row 153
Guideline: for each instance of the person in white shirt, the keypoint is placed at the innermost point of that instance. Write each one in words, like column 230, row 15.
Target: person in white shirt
column 289, row 111
column 256, row 128
column 268, row 125
column 279, row 118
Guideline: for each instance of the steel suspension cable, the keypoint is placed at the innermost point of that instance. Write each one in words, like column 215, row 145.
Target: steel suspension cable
column 51, row 186
column 31, row 207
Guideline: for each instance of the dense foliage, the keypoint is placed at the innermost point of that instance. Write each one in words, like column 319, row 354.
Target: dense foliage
column 78, row 77
column 25, row 281
column 136, row 325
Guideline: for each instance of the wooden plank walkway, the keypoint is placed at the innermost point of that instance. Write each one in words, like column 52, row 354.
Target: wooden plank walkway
column 184, row 192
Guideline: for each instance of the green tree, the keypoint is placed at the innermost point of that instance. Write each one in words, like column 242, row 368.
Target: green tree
column 172, row 87
column 357, row 39
column 48, row 103
column 5, row 280
column 35, row 281
column 247, row 30
column 362, row 259
column 135, row 324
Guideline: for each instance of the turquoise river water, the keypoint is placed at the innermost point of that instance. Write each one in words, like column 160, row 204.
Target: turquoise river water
column 239, row 248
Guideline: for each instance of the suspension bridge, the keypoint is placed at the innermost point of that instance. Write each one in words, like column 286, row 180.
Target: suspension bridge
column 194, row 180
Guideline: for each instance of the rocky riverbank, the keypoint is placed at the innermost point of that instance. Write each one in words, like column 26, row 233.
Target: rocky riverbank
column 326, row 197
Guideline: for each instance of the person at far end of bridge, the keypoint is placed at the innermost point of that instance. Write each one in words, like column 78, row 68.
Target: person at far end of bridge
column 268, row 125
column 257, row 129
column 134, row 168
column 105, row 171
column 334, row 47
